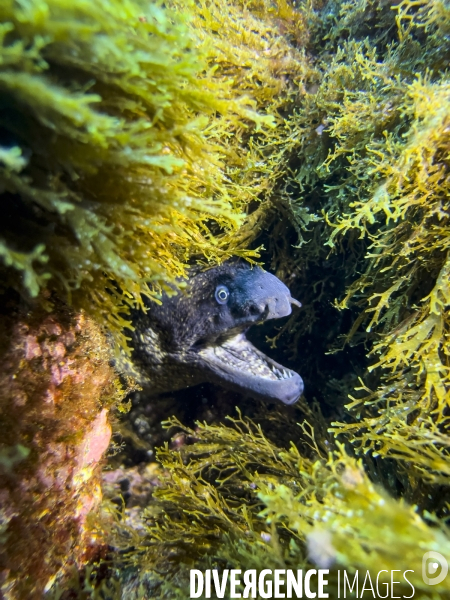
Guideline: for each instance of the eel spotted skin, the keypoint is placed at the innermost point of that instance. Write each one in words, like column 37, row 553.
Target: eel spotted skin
column 197, row 335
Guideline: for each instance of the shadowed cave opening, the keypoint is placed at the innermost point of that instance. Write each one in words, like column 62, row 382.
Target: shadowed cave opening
column 307, row 342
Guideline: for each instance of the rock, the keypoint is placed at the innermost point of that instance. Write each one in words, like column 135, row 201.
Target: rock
column 56, row 391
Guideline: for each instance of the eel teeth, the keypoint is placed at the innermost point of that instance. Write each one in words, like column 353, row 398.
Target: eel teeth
column 243, row 358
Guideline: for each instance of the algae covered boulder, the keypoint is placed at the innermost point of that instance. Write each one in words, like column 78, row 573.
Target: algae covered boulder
column 57, row 388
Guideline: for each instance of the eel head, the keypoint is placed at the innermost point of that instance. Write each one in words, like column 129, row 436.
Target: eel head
column 198, row 334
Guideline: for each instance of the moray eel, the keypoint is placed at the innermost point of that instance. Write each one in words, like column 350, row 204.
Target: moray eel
column 198, row 335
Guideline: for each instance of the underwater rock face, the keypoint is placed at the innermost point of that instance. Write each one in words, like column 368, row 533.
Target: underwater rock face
column 56, row 388
column 198, row 335
column 131, row 488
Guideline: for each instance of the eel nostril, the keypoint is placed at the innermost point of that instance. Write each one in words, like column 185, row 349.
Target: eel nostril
column 255, row 310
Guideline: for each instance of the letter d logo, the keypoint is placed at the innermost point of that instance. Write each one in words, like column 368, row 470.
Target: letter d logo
column 431, row 561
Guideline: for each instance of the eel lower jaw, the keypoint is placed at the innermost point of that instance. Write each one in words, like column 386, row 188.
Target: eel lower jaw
column 246, row 369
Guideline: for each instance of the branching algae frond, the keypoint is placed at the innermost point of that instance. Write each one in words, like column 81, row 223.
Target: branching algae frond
column 115, row 153
column 259, row 47
column 403, row 208
column 373, row 162
column 233, row 499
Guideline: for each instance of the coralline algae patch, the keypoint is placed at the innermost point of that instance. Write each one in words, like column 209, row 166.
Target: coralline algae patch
column 56, row 389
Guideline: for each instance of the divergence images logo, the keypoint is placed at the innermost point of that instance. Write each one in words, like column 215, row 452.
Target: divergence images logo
column 431, row 562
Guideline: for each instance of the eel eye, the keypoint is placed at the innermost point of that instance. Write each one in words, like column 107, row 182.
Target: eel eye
column 222, row 294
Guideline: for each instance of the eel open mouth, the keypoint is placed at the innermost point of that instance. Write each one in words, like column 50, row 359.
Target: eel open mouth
column 244, row 368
